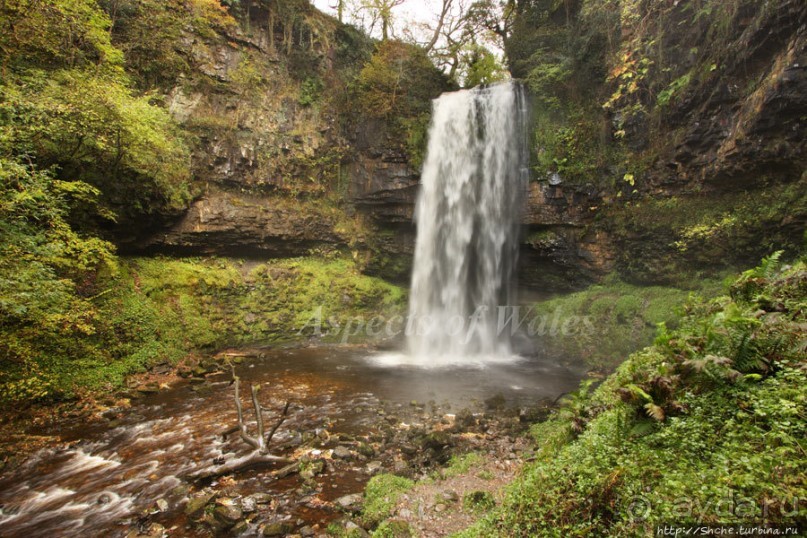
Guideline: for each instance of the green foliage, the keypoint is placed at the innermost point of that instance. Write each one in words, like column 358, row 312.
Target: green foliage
column 481, row 66
column 417, row 138
column 545, row 81
column 247, row 77
column 66, row 33
column 398, row 80
column 396, row 85
column 686, row 234
column 570, row 143
column 478, row 501
column 381, row 495
column 150, row 33
column 91, row 126
column 66, row 102
column 605, row 323
column 48, row 276
column 310, row 91
column 673, row 89
column 393, row 528
column 704, row 427
column 63, row 338
column 461, row 464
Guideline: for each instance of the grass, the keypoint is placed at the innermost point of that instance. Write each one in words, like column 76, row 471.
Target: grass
column 157, row 310
column 461, row 464
column 381, row 495
column 478, row 501
column 684, row 238
column 607, row 322
column 706, row 426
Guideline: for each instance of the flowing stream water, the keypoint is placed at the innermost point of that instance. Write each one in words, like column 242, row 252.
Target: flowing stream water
column 105, row 477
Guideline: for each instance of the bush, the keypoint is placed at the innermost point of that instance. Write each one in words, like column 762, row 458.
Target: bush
column 618, row 318
column 703, row 427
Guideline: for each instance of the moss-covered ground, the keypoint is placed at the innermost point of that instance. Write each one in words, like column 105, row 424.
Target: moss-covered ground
column 157, row 310
column 705, row 426
column 606, row 322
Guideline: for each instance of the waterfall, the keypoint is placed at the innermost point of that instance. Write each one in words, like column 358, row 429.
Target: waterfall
column 468, row 214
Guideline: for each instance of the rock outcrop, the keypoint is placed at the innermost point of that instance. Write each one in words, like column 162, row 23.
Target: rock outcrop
column 247, row 226
column 282, row 166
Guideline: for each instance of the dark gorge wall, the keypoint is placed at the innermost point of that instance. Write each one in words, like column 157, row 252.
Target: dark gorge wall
column 289, row 153
column 668, row 138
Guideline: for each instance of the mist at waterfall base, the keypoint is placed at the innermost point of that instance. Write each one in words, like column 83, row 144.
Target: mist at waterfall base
column 468, row 218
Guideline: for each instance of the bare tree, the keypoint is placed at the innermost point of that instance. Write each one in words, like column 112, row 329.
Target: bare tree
column 339, row 6
column 497, row 16
column 445, row 9
column 456, row 28
column 380, row 12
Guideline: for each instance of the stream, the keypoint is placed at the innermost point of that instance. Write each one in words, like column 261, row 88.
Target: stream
column 133, row 469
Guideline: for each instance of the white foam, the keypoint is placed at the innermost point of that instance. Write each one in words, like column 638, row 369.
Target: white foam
column 83, row 463
column 399, row 360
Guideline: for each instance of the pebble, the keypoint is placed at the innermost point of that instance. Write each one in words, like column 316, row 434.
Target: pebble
column 342, row 453
column 374, row 467
column 352, row 502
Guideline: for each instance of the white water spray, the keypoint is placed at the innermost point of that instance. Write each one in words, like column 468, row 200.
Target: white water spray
column 468, row 212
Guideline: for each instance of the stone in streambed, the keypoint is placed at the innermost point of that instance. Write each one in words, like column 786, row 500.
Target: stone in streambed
column 312, row 468
column 278, row 528
column 365, row 450
column 351, row 503
column 354, row 530
column 154, row 530
column 436, row 440
column 374, row 467
column 239, row 528
column 287, row 470
column 161, row 505
column 248, row 504
column 196, row 506
column 149, row 388
column 342, row 453
column 261, row 498
column 227, row 515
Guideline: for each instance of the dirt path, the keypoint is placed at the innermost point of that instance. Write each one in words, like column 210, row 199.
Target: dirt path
column 454, row 498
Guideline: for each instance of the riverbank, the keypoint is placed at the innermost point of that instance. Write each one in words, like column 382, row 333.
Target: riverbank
column 152, row 463
column 704, row 427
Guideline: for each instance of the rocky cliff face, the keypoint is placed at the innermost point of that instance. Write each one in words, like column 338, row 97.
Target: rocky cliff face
column 282, row 160
column 701, row 164
column 695, row 159
column 226, row 223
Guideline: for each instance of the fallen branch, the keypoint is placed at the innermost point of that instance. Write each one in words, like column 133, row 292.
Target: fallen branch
column 260, row 443
column 282, row 419
column 253, row 459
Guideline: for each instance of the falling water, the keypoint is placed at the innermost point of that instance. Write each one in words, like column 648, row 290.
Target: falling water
column 473, row 186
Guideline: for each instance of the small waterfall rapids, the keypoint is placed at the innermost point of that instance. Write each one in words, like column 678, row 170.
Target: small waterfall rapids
column 468, row 218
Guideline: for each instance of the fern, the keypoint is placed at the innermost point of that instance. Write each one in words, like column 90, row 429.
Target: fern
column 766, row 269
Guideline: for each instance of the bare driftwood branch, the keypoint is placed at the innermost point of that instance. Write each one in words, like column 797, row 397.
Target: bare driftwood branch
column 258, row 416
column 229, row 431
column 251, row 441
column 253, row 459
column 260, row 454
column 280, row 421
